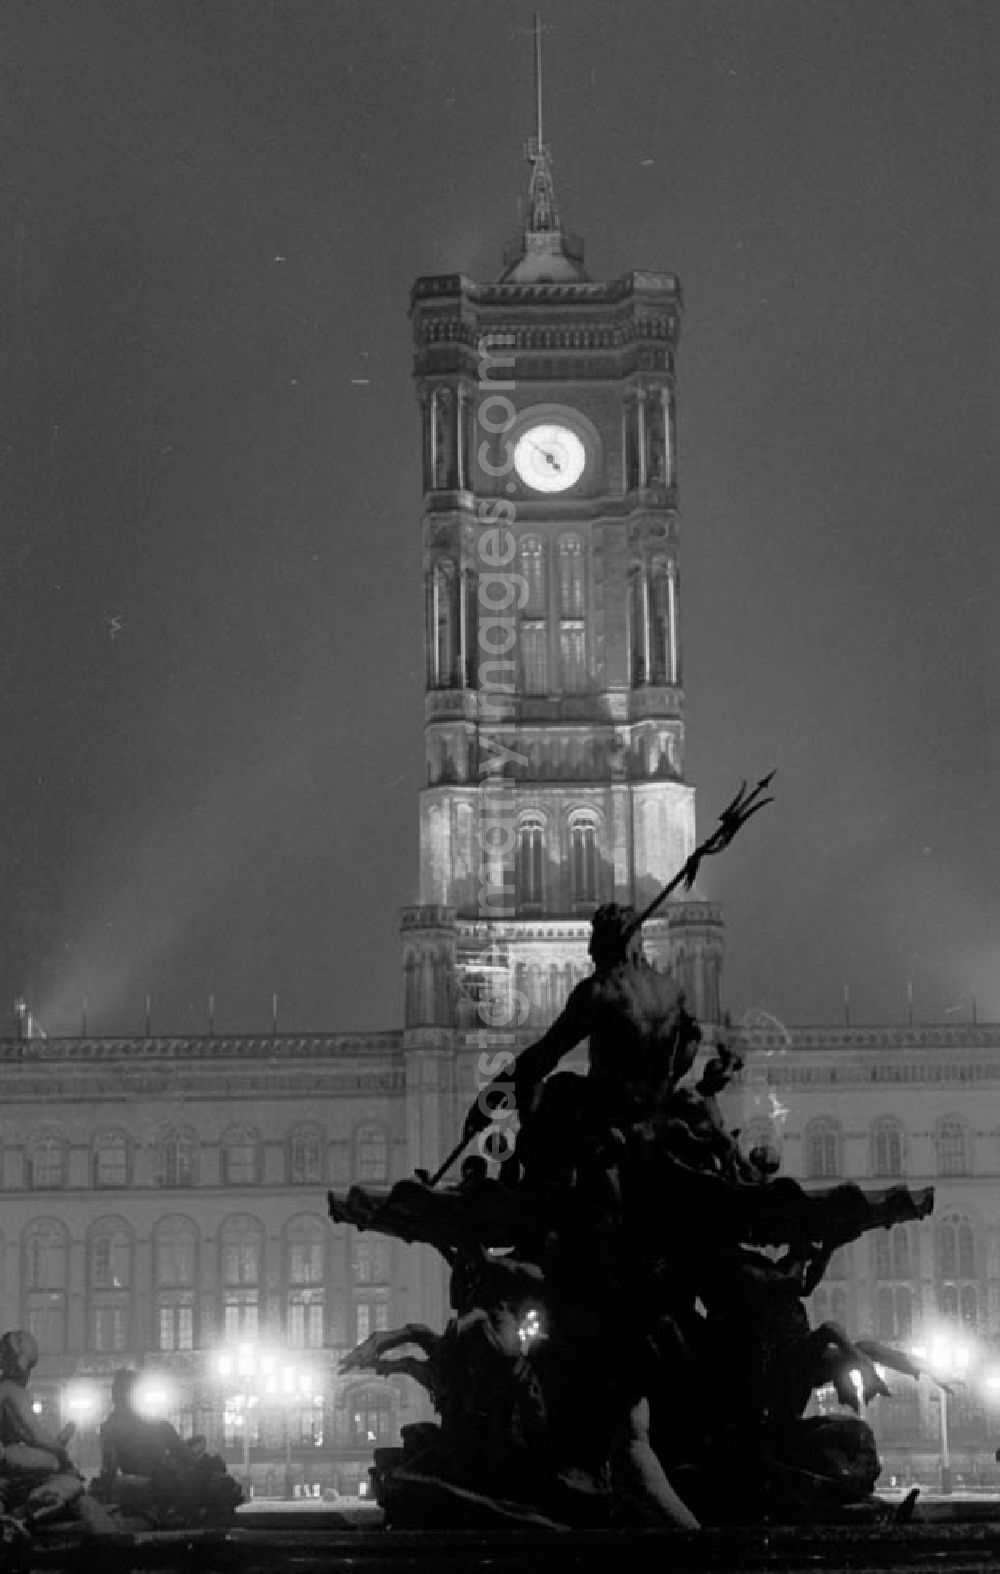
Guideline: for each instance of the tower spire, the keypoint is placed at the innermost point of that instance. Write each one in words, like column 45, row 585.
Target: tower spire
column 538, row 78
column 543, row 251
column 543, row 217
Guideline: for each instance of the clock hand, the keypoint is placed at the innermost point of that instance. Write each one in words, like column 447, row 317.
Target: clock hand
column 548, row 455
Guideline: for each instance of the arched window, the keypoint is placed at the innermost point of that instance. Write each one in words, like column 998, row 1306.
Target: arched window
column 583, row 858
column 443, row 627
column 887, row 1148
column 958, row 1292
column 533, row 571
column 241, row 1253
column 370, row 1410
column 305, row 1248
column 530, row 860
column 305, row 1156
column 572, row 597
column 46, row 1156
column 892, row 1254
column 829, row 1305
column 45, row 1252
column 240, row 1156
column 109, row 1282
column 371, row 1154
column 895, row 1268
column 572, row 615
column 533, row 620
column 661, row 634
column 894, row 1312
column 175, row 1161
column 372, row 1259
column 111, row 1159
column 952, row 1152
column 638, row 626
column 175, row 1269
column 822, row 1149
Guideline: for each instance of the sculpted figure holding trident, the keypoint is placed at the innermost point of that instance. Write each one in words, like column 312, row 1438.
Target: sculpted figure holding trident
column 642, row 1038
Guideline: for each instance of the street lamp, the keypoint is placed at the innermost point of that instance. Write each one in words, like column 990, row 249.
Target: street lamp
column 947, row 1355
column 268, row 1376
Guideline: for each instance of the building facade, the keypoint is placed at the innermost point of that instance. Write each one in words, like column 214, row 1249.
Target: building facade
column 163, row 1200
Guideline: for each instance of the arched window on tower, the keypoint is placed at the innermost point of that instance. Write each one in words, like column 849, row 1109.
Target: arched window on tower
column 442, row 625
column 530, row 861
column 583, row 858
column 470, row 630
column 572, row 615
column 661, row 634
column 534, row 625
column 638, row 624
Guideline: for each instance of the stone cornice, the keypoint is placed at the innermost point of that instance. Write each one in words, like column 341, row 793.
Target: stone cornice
column 826, row 1040
column 207, row 1047
column 458, row 287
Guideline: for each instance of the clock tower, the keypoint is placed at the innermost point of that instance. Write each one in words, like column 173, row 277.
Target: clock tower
column 554, row 706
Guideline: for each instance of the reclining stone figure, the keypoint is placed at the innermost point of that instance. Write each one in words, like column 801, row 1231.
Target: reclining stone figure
column 150, row 1472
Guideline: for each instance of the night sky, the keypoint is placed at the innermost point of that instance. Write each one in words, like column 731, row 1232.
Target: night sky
column 210, row 218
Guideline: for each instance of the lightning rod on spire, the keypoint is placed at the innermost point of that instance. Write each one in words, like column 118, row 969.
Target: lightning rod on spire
column 538, row 76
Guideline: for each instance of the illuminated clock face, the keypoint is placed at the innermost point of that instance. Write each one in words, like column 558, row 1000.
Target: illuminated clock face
column 549, row 458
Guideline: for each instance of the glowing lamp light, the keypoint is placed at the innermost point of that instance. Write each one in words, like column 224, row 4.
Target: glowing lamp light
column 530, row 1328
column 224, row 1365
column 153, row 1397
column 36, row 1407
column 991, row 1381
column 81, row 1400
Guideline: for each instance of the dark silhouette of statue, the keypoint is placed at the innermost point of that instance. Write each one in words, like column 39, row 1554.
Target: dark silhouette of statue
column 628, row 1287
